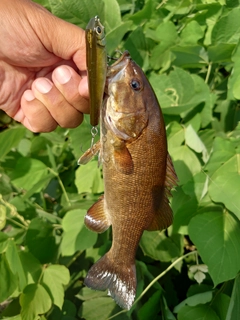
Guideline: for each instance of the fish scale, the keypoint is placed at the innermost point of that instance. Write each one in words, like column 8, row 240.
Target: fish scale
column 138, row 176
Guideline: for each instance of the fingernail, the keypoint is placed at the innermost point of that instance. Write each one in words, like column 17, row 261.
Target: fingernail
column 62, row 74
column 43, row 85
column 19, row 116
column 28, row 95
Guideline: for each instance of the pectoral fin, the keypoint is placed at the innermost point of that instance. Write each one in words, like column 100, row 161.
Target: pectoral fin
column 122, row 158
column 96, row 219
column 90, row 153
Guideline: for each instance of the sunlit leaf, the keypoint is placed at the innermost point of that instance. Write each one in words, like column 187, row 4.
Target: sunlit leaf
column 10, row 139
column 76, row 236
column 216, row 236
column 34, row 301
column 54, row 278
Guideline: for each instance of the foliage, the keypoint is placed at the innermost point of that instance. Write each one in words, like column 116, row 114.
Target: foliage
column 190, row 51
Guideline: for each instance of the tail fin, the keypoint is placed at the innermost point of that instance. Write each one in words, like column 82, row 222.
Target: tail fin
column 120, row 280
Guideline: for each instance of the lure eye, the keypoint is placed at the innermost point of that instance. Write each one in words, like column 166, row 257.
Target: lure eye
column 98, row 30
column 136, row 85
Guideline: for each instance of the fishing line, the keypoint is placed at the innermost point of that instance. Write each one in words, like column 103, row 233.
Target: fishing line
column 94, row 132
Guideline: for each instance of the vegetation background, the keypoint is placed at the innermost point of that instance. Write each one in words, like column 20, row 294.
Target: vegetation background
column 190, row 51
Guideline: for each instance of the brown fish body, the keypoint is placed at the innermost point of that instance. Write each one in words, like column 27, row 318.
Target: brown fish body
column 138, row 176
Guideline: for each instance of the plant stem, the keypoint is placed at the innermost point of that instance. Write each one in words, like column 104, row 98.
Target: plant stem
column 17, row 223
column 61, row 185
column 208, row 72
column 74, row 258
column 155, row 280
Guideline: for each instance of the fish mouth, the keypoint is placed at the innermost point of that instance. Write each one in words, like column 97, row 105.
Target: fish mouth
column 117, row 68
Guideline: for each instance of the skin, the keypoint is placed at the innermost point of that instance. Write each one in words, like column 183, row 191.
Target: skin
column 43, row 79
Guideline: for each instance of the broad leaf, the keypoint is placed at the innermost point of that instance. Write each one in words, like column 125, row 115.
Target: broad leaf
column 216, row 236
column 10, row 139
column 8, row 280
column 54, row 278
column 34, row 301
column 76, row 236
column 28, row 172
column 40, row 235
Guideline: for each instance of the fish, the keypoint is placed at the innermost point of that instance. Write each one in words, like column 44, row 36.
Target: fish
column 96, row 66
column 138, row 176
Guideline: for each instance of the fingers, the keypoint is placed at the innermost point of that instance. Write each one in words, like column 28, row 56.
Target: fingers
column 56, row 102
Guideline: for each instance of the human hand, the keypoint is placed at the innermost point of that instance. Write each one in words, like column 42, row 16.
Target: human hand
column 43, row 80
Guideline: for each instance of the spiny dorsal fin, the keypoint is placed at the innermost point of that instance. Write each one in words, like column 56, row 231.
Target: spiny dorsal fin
column 96, row 218
column 90, row 153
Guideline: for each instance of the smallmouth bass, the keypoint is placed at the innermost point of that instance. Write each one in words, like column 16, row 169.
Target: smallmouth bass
column 138, row 175
column 96, row 66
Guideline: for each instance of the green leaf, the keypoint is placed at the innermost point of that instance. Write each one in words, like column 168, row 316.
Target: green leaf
column 114, row 37
column 3, row 214
column 15, row 264
column 200, row 298
column 28, row 172
column 89, row 179
column 192, row 33
column 167, row 36
column 151, row 308
column 112, row 15
column 76, row 236
column 34, row 301
column 31, row 267
column 225, row 181
column 8, row 281
column 220, row 305
column 77, row 12
column 234, row 306
column 195, row 143
column 4, row 239
column 179, row 92
column 227, row 28
column 216, row 236
column 54, row 278
column 202, row 312
column 139, row 46
column 159, row 247
column 40, row 239
column 99, row 309
column 9, row 139
column 186, row 163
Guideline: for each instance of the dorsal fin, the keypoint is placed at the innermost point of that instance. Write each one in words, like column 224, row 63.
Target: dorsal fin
column 96, row 218
column 171, row 176
column 163, row 218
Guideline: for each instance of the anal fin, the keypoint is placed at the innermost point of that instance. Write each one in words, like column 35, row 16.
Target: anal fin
column 96, row 219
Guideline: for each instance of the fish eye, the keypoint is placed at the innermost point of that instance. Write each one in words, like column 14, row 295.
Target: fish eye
column 135, row 85
column 98, row 30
